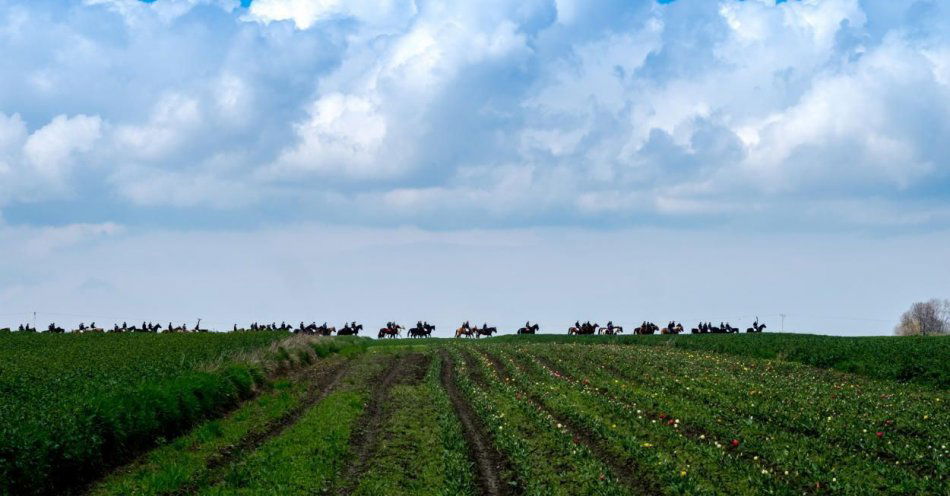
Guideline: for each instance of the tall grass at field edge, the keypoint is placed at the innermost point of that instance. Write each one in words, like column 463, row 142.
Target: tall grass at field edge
column 112, row 428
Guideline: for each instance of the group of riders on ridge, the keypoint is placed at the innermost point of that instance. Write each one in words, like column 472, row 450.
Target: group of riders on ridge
column 422, row 329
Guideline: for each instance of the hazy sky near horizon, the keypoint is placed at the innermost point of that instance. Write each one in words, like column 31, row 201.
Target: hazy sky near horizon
column 498, row 160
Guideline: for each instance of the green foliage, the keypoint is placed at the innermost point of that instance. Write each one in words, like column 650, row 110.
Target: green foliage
column 921, row 360
column 168, row 468
column 709, row 423
column 423, row 451
column 74, row 404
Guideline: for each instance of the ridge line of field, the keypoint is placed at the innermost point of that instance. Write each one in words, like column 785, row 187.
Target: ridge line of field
column 248, row 444
column 624, row 474
column 488, row 460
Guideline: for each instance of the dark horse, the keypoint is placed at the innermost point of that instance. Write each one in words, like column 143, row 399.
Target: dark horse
column 529, row 328
column 756, row 326
column 485, row 331
column 421, row 330
column 351, row 329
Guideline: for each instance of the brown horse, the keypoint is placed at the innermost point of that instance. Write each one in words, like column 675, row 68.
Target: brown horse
column 465, row 330
column 392, row 330
column 646, row 328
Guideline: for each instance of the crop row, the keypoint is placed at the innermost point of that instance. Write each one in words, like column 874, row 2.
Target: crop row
column 698, row 414
column 545, row 456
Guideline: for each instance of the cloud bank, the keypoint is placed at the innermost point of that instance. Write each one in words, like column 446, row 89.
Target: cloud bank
column 819, row 115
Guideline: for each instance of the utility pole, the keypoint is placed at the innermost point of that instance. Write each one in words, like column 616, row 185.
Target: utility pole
column 783, row 321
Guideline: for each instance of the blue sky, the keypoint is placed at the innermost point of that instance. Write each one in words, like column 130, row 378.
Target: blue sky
column 664, row 160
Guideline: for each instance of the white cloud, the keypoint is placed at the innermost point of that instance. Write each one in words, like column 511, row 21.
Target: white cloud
column 51, row 150
column 173, row 122
column 306, row 13
column 454, row 112
column 344, row 134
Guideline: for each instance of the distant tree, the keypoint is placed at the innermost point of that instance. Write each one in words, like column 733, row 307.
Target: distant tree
column 925, row 318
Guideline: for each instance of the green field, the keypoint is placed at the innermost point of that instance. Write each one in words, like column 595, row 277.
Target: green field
column 543, row 415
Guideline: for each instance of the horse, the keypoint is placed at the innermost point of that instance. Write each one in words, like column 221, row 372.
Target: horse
column 485, row 331
column 529, row 328
column 391, row 330
column 646, row 328
column 465, row 330
column 610, row 329
column 417, row 332
column 756, row 326
column 350, row 330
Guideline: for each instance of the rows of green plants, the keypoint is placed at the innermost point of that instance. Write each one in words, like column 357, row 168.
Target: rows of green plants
column 661, row 456
column 188, row 460
column 73, row 405
column 423, row 450
column 546, row 458
column 915, row 359
column 896, row 420
column 310, row 456
column 714, row 416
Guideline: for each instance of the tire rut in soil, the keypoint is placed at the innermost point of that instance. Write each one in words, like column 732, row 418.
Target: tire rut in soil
column 625, row 473
column 404, row 370
column 322, row 382
column 491, row 464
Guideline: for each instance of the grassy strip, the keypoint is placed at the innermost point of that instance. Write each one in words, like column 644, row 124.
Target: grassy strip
column 917, row 359
column 171, row 466
column 309, row 456
column 544, row 454
column 187, row 459
column 423, row 451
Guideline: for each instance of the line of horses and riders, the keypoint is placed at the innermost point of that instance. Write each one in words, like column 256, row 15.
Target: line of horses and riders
column 422, row 329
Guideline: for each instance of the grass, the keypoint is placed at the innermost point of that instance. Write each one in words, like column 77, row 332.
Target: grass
column 309, row 456
column 423, row 451
column 74, row 405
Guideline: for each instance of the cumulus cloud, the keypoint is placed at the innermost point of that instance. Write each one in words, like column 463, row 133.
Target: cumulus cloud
column 43, row 159
column 447, row 113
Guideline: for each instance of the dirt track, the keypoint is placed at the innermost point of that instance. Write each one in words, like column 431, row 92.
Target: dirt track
column 490, row 463
column 406, row 369
column 322, row 382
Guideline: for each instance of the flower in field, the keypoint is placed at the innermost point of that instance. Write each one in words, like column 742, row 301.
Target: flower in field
column 682, row 473
column 880, row 434
column 735, row 443
column 647, row 445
